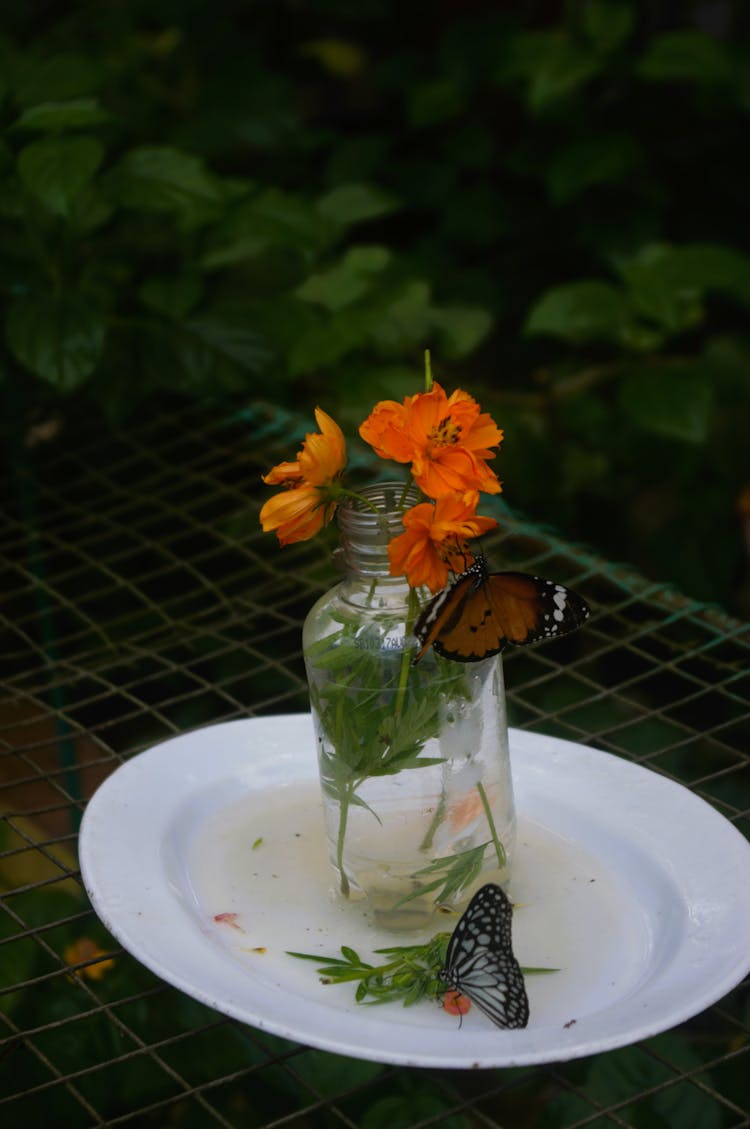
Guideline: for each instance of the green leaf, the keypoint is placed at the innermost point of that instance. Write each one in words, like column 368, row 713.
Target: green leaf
column 272, row 219
column 162, row 179
column 58, row 78
column 454, row 873
column 339, row 57
column 172, row 296
column 230, row 340
column 551, row 63
column 660, row 294
column 344, row 283
column 607, row 24
column 667, row 283
column 436, row 101
column 348, row 204
column 460, row 329
column 597, row 159
column 323, row 1071
column 58, row 339
column 76, row 113
column 671, row 399
column 330, row 339
column 622, row 1076
column 581, row 312
column 405, row 321
column 91, row 209
column 55, row 169
column 685, row 55
column 398, row 1111
column 710, row 266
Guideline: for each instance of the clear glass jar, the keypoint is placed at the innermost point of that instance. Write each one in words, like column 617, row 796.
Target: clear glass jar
column 414, row 763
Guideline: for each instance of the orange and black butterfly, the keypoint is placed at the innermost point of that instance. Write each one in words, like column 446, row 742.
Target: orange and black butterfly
column 481, row 613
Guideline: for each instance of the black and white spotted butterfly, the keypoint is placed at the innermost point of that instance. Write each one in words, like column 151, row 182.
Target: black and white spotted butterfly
column 480, row 963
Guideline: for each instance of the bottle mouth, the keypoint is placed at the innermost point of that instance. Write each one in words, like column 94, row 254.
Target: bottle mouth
column 358, row 521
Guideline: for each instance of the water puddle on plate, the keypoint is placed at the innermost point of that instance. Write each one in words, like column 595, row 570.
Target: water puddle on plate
column 256, row 878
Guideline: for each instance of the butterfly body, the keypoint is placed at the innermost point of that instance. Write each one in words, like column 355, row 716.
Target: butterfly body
column 480, row 963
column 481, row 613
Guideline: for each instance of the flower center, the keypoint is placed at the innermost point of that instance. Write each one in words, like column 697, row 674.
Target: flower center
column 453, row 547
column 447, row 432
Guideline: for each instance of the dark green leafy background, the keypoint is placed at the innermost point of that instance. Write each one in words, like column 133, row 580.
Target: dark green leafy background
column 233, row 201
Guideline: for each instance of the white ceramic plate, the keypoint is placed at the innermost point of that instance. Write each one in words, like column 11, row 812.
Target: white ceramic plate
column 205, row 857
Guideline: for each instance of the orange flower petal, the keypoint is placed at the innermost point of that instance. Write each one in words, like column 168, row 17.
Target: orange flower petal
column 307, row 504
column 417, row 558
column 385, row 431
column 447, row 440
column 295, row 515
column 435, row 539
column 288, row 474
column 323, row 456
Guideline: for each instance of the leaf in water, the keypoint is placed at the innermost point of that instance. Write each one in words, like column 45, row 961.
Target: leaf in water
column 454, row 873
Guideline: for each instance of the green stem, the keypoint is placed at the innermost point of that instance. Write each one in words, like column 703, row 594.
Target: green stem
column 435, row 822
column 341, row 838
column 342, row 492
column 404, row 492
column 403, row 674
column 427, row 371
column 502, row 858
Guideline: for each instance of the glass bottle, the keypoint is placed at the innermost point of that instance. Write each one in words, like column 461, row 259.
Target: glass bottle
column 414, row 763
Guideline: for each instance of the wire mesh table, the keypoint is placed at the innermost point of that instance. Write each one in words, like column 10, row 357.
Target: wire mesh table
column 140, row 600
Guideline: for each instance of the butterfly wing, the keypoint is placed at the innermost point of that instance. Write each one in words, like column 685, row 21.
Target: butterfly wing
column 445, row 613
column 479, row 614
column 480, row 963
column 528, row 609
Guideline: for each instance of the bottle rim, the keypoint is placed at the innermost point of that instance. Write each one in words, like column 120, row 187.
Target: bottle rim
column 391, row 499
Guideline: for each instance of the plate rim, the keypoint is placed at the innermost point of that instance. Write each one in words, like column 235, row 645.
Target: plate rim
column 508, row 1048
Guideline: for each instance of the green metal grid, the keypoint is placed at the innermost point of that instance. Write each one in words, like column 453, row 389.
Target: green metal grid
column 140, row 599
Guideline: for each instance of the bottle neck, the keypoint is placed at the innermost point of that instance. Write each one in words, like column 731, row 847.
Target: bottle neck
column 365, row 535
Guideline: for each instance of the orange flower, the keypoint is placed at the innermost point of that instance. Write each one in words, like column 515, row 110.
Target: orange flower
column 456, row 1004
column 435, row 536
column 86, row 949
column 309, row 500
column 447, row 440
